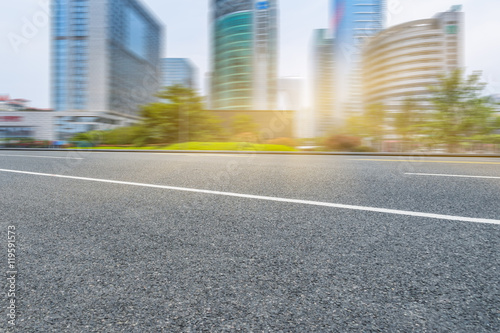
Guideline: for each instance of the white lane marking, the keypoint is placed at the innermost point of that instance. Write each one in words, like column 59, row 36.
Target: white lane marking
column 447, row 175
column 202, row 154
column 422, row 161
column 37, row 156
column 260, row 197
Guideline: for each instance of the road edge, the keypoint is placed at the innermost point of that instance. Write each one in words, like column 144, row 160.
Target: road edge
column 246, row 152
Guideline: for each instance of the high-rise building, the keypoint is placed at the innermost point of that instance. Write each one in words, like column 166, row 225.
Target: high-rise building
column 401, row 62
column 352, row 22
column 105, row 62
column 178, row 71
column 322, row 81
column 244, row 54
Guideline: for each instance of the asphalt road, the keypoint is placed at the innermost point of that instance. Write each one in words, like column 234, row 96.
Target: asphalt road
column 123, row 242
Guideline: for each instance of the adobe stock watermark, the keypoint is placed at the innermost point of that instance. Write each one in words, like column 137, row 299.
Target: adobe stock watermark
column 30, row 26
column 11, row 276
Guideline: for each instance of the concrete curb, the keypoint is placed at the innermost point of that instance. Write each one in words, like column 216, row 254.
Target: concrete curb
column 248, row 152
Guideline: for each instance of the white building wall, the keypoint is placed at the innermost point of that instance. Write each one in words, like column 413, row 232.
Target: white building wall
column 41, row 122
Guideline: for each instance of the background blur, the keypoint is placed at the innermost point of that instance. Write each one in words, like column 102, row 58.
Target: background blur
column 26, row 73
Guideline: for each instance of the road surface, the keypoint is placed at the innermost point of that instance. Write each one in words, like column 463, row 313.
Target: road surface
column 144, row 242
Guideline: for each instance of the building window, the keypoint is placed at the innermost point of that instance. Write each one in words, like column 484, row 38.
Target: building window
column 451, row 29
column 16, row 132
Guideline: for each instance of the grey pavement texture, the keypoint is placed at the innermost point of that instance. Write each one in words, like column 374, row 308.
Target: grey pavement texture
column 99, row 257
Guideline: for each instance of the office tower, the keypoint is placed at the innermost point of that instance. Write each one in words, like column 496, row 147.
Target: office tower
column 352, row 22
column 322, row 81
column 403, row 61
column 178, row 71
column 244, row 54
column 105, row 62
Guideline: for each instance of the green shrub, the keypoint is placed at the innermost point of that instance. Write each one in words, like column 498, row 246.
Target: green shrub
column 364, row 149
column 342, row 142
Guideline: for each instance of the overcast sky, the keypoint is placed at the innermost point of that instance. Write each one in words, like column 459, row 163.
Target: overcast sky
column 24, row 71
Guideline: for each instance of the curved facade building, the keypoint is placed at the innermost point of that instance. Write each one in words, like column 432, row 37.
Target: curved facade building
column 403, row 61
column 244, row 49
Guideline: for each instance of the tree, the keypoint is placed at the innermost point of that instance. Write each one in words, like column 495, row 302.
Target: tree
column 407, row 121
column 369, row 125
column 404, row 120
column 374, row 119
column 179, row 118
column 460, row 112
column 342, row 142
column 355, row 125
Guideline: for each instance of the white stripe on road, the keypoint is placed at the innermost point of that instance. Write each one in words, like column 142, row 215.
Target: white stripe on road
column 408, row 160
column 260, row 197
column 203, row 154
column 58, row 157
column 446, row 175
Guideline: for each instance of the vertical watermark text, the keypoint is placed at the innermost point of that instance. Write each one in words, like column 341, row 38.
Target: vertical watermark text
column 11, row 275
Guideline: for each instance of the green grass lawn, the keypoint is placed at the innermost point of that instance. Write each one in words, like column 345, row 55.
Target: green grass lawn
column 229, row 146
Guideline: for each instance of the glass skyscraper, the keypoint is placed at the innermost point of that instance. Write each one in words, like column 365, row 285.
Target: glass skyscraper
column 105, row 59
column 244, row 54
column 352, row 22
column 323, row 74
column 178, row 71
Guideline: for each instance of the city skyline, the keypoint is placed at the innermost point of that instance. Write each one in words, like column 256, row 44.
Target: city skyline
column 189, row 38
